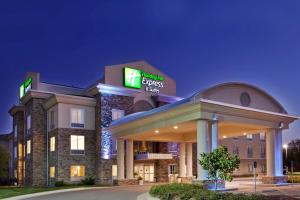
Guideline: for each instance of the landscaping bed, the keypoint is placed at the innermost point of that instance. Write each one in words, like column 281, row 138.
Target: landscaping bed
column 197, row 192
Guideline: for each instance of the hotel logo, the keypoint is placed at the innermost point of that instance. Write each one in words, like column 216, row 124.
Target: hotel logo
column 132, row 78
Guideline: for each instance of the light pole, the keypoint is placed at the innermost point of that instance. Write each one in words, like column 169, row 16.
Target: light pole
column 285, row 146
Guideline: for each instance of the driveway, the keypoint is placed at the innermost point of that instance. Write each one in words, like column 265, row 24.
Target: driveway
column 112, row 193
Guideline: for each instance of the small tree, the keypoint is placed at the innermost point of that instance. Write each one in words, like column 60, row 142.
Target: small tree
column 4, row 159
column 219, row 164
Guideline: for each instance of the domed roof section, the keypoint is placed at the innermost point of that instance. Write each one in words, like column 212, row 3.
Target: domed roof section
column 242, row 94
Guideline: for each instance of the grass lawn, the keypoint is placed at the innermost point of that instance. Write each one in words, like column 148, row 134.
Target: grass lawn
column 6, row 192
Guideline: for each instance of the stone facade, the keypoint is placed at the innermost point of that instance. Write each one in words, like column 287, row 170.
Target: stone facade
column 62, row 158
column 36, row 161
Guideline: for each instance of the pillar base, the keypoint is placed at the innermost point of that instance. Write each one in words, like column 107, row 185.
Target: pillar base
column 274, row 179
column 186, row 179
column 210, row 184
column 126, row 182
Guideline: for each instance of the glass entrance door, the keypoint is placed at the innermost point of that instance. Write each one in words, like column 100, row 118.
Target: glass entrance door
column 146, row 171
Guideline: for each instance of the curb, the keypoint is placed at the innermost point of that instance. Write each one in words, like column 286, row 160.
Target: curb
column 21, row 197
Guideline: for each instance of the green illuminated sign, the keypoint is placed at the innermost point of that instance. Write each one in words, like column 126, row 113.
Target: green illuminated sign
column 25, row 87
column 134, row 78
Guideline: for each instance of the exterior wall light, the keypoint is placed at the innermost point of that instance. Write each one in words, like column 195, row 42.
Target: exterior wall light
column 175, row 127
column 156, row 131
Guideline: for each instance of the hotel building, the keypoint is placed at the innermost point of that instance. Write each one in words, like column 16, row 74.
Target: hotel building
column 131, row 123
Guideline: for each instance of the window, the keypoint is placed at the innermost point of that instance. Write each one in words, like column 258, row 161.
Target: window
column 16, row 131
column 250, row 152
column 249, row 136
column 117, row 114
column 28, row 146
column 52, row 124
column 172, row 147
column 262, row 151
column 172, row 169
column 263, row 168
column 15, row 173
column 77, row 144
column 236, row 150
column 52, row 144
column 52, row 172
column 15, row 152
column 77, row 118
column 262, row 136
column 250, row 168
column 77, row 171
column 114, row 171
column 28, row 122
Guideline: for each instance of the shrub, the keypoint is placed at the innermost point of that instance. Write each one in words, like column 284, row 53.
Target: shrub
column 197, row 192
column 60, row 184
column 88, row 181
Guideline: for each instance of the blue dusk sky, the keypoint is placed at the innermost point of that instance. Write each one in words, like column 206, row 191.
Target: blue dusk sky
column 198, row 43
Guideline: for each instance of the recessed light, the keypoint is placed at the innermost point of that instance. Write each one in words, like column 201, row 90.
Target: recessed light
column 156, row 131
column 224, row 136
column 175, row 127
column 245, row 134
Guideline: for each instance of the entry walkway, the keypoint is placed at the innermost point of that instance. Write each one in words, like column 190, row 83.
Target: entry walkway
column 246, row 185
column 111, row 193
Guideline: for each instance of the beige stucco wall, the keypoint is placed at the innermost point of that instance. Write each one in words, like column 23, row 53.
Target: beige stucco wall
column 64, row 115
column 231, row 93
column 114, row 76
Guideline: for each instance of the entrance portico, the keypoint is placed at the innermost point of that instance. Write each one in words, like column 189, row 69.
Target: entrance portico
column 203, row 121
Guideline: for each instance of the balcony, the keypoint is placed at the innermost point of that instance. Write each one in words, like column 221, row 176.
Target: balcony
column 153, row 156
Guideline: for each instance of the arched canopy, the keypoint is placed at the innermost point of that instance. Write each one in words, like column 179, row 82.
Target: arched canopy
column 241, row 94
column 238, row 107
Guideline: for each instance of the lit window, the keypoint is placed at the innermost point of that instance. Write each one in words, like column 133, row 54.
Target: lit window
column 77, row 118
column 77, row 171
column 114, row 171
column 249, row 136
column 52, row 172
column 262, row 136
column 15, row 152
column 52, row 144
column 28, row 122
column 117, row 114
column 16, row 131
column 77, row 144
column 52, row 124
column 28, row 146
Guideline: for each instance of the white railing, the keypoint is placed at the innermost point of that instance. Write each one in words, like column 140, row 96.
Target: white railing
column 153, row 156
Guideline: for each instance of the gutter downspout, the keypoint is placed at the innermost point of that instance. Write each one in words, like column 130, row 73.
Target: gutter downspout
column 47, row 170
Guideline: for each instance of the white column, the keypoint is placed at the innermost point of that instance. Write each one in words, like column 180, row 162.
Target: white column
column 278, row 153
column 129, row 159
column 120, row 159
column 189, row 160
column 202, row 146
column 270, row 150
column 214, row 135
column 182, row 172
